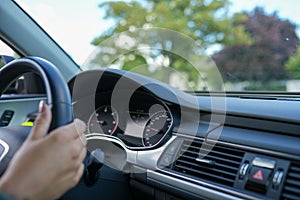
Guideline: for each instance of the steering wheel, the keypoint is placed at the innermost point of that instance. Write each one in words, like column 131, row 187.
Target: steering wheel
column 58, row 98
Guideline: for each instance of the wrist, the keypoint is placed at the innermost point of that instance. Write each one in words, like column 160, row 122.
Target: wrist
column 4, row 196
column 8, row 191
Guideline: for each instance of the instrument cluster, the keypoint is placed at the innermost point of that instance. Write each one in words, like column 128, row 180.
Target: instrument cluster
column 143, row 122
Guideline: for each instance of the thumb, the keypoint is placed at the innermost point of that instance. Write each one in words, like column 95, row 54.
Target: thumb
column 42, row 122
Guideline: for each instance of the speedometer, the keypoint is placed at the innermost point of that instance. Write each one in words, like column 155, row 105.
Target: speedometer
column 103, row 120
column 157, row 126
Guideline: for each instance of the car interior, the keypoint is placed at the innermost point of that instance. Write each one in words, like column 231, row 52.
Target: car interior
column 147, row 139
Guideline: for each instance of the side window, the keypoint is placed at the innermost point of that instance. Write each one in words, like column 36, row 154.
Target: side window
column 7, row 51
column 26, row 84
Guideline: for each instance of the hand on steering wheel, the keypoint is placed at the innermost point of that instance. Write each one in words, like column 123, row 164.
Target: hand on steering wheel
column 46, row 166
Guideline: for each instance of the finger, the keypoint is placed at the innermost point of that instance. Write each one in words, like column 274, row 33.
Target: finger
column 73, row 130
column 78, row 175
column 42, row 122
column 83, row 140
column 77, row 148
column 82, row 155
column 80, row 127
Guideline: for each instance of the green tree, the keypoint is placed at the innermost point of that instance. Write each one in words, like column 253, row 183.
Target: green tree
column 293, row 65
column 206, row 22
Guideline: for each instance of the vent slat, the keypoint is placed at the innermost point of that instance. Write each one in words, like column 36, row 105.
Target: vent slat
column 195, row 155
column 289, row 196
column 205, row 168
column 293, row 182
column 221, row 159
column 224, row 154
column 294, row 175
column 294, row 168
column 237, row 157
column 224, row 169
column 291, row 188
column 217, row 164
column 214, row 177
column 227, row 167
column 198, row 145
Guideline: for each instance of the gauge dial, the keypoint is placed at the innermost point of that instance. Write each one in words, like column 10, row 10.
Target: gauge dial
column 103, row 120
column 156, row 127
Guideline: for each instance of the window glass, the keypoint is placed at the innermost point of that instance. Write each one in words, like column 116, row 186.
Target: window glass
column 28, row 83
column 5, row 50
column 200, row 45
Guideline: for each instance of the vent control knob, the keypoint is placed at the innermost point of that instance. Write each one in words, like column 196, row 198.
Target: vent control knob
column 277, row 178
column 243, row 170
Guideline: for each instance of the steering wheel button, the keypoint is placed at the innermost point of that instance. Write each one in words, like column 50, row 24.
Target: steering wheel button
column 6, row 117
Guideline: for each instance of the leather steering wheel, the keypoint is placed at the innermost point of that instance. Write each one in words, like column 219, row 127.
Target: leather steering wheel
column 58, row 98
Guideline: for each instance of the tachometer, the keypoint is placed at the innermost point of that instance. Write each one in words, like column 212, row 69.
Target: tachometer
column 157, row 127
column 103, row 120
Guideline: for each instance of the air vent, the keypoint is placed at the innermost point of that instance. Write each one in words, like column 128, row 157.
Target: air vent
column 291, row 188
column 219, row 165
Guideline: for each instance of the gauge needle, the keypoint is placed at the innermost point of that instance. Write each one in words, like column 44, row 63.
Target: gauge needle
column 97, row 121
column 153, row 129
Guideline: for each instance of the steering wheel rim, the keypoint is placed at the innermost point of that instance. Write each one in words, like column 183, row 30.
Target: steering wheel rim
column 58, row 98
column 58, row 95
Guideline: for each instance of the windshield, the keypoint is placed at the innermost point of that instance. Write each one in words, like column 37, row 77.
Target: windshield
column 194, row 45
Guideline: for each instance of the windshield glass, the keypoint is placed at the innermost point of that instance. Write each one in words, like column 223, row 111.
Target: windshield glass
column 197, row 45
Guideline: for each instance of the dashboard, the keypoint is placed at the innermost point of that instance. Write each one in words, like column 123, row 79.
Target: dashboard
column 191, row 147
column 176, row 145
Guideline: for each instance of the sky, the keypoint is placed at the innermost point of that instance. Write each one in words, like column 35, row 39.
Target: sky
column 74, row 28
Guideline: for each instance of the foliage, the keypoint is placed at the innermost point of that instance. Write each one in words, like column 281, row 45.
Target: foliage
column 1, row 62
column 263, row 60
column 270, row 86
column 206, row 22
column 202, row 20
column 293, row 65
